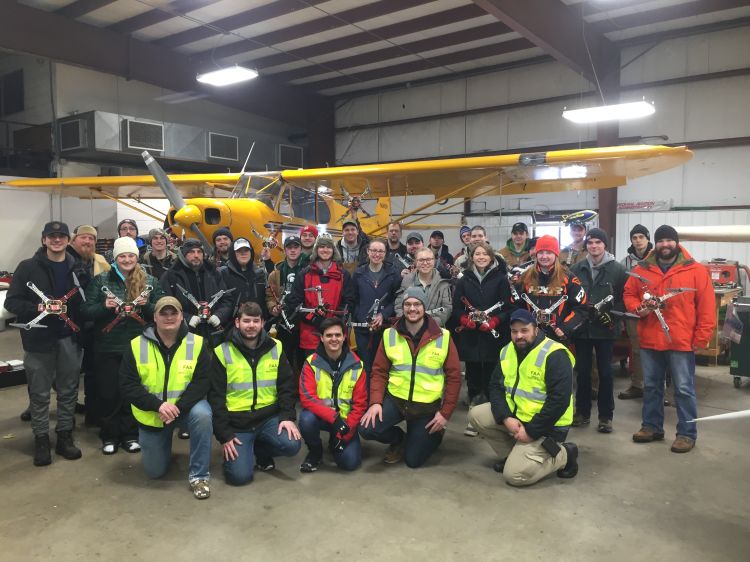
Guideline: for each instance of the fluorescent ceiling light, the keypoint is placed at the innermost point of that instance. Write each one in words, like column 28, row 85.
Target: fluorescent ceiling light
column 618, row 112
column 227, row 76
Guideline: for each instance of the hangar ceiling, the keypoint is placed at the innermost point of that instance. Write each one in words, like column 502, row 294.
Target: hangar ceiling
column 309, row 50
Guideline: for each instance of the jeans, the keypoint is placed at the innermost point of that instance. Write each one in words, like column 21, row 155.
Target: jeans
column 60, row 367
column 156, row 446
column 310, row 426
column 681, row 365
column 584, row 359
column 420, row 444
column 266, row 443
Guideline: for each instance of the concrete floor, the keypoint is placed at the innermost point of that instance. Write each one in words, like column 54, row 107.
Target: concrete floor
column 629, row 501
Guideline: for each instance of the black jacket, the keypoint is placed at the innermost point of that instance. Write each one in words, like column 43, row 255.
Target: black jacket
column 227, row 423
column 248, row 285
column 133, row 390
column 202, row 284
column 157, row 267
column 476, row 345
column 558, row 378
column 22, row 301
column 610, row 281
column 365, row 292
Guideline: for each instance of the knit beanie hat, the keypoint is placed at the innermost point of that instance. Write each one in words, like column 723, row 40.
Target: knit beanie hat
column 124, row 245
column 666, row 231
column 223, row 231
column 640, row 229
column 464, row 229
column 190, row 244
column 127, row 221
column 599, row 234
column 416, row 293
column 84, row 229
column 309, row 228
column 548, row 243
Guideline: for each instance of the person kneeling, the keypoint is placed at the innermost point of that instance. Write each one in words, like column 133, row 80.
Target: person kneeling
column 165, row 375
column 333, row 392
column 531, row 406
column 252, row 397
column 416, row 376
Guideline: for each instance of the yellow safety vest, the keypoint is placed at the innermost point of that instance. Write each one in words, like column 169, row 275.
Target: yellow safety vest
column 249, row 389
column 525, row 386
column 150, row 367
column 345, row 390
column 420, row 378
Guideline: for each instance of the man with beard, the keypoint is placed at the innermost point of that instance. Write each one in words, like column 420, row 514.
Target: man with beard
column 280, row 282
column 395, row 246
column 159, row 258
column 516, row 250
column 352, row 246
column 691, row 317
column 198, row 277
column 576, row 251
column 531, row 406
column 252, row 399
column 222, row 243
column 307, row 237
column 89, row 264
column 640, row 246
column 439, row 248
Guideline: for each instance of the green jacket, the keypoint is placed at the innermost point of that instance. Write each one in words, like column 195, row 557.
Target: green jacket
column 118, row 340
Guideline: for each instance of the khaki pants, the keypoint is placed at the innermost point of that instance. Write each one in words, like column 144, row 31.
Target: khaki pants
column 526, row 463
column 636, row 371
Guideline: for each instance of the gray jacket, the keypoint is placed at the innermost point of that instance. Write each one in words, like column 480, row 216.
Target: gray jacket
column 438, row 294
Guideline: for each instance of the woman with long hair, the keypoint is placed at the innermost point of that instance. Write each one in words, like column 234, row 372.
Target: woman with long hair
column 481, row 287
column 555, row 297
column 129, row 282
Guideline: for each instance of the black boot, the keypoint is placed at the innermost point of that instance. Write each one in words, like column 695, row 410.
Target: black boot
column 571, row 467
column 499, row 466
column 65, row 447
column 26, row 415
column 42, row 456
column 312, row 460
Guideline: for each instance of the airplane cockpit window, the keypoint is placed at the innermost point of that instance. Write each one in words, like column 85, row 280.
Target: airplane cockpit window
column 303, row 204
column 213, row 216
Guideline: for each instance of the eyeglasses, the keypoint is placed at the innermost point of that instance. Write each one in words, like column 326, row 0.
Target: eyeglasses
column 425, row 260
column 376, row 251
column 413, row 305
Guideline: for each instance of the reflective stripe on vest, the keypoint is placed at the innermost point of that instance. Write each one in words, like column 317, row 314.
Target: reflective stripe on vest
column 345, row 390
column 248, row 390
column 419, row 379
column 525, row 385
column 151, row 370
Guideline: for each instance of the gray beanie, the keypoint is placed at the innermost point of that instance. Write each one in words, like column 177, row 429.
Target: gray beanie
column 416, row 293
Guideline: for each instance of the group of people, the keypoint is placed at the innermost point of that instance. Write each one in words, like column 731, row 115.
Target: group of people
column 180, row 340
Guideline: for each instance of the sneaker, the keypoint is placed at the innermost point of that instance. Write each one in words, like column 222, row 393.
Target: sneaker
column 682, row 444
column 395, row 452
column 109, row 448
column 631, row 393
column 80, row 408
column 470, row 431
column 132, row 446
column 605, row 426
column 311, row 463
column 26, row 415
column 183, row 434
column 580, row 420
column 65, row 447
column 200, row 489
column 646, row 435
column 264, row 465
column 571, row 467
column 42, row 455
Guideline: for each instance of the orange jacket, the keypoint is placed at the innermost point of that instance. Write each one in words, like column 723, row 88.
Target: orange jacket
column 691, row 316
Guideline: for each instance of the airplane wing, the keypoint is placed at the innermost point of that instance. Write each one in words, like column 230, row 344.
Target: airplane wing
column 509, row 174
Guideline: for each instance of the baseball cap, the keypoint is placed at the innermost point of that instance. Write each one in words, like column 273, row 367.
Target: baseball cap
column 437, row 233
column 293, row 239
column 520, row 227
column 242, row 243
column 522, row 315
column 351, row 222
column 167, row 301
column 414, row 236
column 56, row 227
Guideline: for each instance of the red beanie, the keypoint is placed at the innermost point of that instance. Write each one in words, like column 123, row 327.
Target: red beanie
column 548, row 243
column 309, row 228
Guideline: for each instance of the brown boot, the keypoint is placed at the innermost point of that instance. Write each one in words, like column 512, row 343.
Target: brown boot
column 630, row 393
column 682, row 444
column 395, row 452
column 645, row 435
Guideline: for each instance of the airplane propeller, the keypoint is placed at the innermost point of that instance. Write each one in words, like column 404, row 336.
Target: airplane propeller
column 186, row 215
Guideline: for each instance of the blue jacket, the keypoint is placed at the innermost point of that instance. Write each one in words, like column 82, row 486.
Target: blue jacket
column 366, row 292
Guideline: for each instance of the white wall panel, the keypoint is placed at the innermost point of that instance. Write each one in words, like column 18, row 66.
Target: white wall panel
column 544, row 81
column 22, row 218
column 543, row 124
column 357, row 146
column 487, row 90
column 412, row 140
column 410, row 102
column 487, row 131
column 669, row 119
column 718, row 109
column 717, row 176
column 452, row 136
column 453, row 96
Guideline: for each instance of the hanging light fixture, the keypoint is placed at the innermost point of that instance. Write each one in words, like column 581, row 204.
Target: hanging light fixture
column 617, row 112
column 227, row 76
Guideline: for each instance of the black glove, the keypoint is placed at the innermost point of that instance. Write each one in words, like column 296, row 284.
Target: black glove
column 340, row 426
column 338, row 445
column 605, row 319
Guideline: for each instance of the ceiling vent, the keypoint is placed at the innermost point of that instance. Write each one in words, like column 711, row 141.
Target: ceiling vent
column 72, row 134
column 140, row 135
column 290, row 156
column 223, row 147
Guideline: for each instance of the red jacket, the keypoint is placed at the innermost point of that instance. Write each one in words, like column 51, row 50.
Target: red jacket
column 452, row 367
column 691, row 316
column 308, row 391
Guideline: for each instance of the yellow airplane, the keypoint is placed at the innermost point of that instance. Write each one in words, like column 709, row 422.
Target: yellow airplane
column 259, row 205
